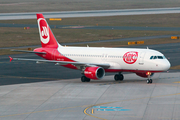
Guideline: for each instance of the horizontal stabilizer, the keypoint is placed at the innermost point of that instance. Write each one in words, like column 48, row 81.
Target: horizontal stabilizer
column 27, row 51
column 10, row 58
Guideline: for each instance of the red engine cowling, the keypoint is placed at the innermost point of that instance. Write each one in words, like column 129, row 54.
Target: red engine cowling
column 144, row 74
column 94, row 72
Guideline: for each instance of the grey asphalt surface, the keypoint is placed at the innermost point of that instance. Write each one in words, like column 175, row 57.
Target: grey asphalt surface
column 17, row 72
column 131, row 99
column 91, row 13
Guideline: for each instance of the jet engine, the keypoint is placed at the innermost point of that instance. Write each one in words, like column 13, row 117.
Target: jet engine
column 94, row 72
column 145, row 75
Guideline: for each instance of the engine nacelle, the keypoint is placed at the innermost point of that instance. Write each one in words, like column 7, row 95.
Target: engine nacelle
column 145, row 75
column 94, row 72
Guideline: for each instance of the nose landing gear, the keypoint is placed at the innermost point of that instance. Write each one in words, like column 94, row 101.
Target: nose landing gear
column 149, row 80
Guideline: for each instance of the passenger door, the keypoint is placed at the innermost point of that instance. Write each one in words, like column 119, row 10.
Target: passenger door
column 141, row 58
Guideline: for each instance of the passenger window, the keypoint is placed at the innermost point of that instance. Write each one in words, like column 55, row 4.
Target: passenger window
column 151, row 57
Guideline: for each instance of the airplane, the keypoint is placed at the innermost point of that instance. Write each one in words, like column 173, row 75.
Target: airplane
column 94, row 62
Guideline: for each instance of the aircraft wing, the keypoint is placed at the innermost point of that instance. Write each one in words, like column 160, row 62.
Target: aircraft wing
column 104, row 65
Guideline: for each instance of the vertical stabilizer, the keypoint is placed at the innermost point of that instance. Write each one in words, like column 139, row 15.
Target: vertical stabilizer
column 47, row 38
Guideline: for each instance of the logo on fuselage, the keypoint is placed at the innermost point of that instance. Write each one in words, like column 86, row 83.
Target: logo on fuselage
column 44, row 31
column 130, row 57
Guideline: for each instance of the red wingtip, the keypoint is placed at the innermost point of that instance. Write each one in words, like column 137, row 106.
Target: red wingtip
column 10, row 58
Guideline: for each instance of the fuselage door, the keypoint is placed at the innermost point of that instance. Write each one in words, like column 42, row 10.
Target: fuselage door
column 141, row 58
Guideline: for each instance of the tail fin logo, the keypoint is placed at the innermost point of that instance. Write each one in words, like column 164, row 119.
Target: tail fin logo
column 44, row 30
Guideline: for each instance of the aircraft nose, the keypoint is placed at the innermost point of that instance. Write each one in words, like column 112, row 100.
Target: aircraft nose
column 166, row 65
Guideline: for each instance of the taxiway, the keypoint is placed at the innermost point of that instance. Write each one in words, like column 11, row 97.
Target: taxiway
column 90, row 13
column 105, row 99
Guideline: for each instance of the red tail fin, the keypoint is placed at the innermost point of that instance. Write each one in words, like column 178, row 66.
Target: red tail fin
column 47, row 38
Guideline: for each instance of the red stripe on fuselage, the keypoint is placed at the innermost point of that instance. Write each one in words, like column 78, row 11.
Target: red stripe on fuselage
column 134, row 71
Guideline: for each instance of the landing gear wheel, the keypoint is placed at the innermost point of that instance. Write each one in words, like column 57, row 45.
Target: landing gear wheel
column 118, row 77
column 85, row 79
column 88, row 80
column 149, row 81
column 121, row 77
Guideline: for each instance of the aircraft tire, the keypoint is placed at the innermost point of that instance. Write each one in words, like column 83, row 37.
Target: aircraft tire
column 85, row 79
column 121, row 77
column 88, row 80
column 116, row 77
column 149, row 81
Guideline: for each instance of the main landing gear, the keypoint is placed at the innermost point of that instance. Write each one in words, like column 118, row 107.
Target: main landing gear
column 149, row 80
column 85, row 79
column 118, row 77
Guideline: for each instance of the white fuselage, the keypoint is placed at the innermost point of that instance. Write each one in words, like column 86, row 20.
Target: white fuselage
column 117, row 59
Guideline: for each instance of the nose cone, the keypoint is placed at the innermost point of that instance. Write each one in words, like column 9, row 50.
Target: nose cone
column 166, row 65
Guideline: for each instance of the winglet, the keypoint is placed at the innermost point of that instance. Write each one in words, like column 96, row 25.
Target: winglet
column 10, row 58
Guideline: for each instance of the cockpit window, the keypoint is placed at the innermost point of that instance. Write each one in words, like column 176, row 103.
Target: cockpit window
column 160, row 57
column 157, row 57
